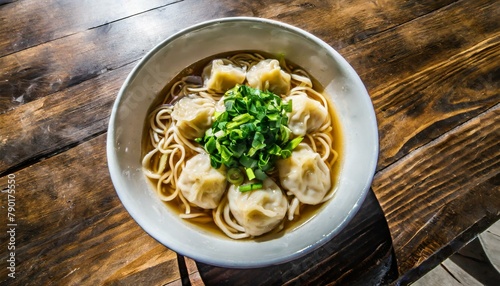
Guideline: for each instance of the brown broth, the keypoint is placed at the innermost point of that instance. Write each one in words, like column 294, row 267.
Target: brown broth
column 307, row 212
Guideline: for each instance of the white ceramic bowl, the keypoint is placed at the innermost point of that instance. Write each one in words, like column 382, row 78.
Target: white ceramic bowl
column 161, row 64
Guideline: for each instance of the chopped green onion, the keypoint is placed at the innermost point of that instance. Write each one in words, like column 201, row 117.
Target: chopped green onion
column 248, row 162
column 210, row 146
column 250, row 173
column 260, row 175
column 293, row 144
column 251, row 134
column 235, row 176
column 225, row 153
column 238, row 120
column 250, row 187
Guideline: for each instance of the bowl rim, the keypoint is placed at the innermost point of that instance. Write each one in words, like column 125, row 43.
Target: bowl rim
column 112, row 158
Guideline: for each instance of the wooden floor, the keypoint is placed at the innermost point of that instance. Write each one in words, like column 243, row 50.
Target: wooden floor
column 478, row 263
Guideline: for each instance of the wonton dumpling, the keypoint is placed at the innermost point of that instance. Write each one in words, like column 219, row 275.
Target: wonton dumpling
column 258, row 211
column 220, row 77
column 305, row 175
column 201, row 184
column 267, row 75
column 193, row 116
column 307, row 114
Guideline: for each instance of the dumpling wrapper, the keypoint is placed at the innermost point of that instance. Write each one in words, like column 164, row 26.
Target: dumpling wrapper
column 258, row 211
column 267, row 75
column 220, row 77
column 200, row 183
column 193, row 116
column 307, row 115
column 305, row 175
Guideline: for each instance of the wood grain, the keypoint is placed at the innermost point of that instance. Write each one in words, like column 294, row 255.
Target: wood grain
column 432, row 101
column 415, row 68
column 419, row 44
column 458, row 187
column 447, row 274
column 403, row 101
column 30, row 23
column 52, row 66
column 343, row 23
column 473, row 259
column 61, row 120
column 25, row 24
column 194, row 274
column 490, row 241
column 83, row 221
column 430, row 68
column 73, row 229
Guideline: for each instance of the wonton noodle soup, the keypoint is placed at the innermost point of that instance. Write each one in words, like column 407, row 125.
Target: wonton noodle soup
column 184, row 133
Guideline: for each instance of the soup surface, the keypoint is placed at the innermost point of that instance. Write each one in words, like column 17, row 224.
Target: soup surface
column 244, row 145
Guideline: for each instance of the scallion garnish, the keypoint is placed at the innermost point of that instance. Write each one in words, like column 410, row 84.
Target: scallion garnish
column 250, row 135
column 234, row 176
column 250, row 187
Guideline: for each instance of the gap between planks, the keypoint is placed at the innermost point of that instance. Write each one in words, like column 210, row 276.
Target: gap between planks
column 437, row 139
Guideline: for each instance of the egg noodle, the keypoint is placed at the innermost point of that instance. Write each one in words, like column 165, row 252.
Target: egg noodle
column 169, row 149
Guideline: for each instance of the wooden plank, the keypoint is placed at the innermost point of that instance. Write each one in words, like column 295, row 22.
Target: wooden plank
column 27, row 23
column 194, row 274
column 82, row 221
column 420, row 54
column 482, row 212
column 421, row 193
column 473, row 260
column 360, row 255
column 93, row 98
column 490, row 241
column 343, row 23
column 57, row 121
column 460, row 274
column 52, row 66
column 419, row 108
column 419, row 44
column 425, row 61
column 438, row 276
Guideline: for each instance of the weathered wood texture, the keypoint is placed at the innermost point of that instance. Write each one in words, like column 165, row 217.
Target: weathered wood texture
column 447, row 274
column 73, row 230
column 437, row 201
column 84, row 235
column 490, row 242
column 52, row 66
column 438, row 82
column 194, row 274
column 469, row 266
column 105, row 86
column 29, row 23
column 63, row 119
column 431, row 68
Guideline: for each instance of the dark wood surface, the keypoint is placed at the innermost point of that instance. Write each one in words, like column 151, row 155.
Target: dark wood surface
column 431, row 68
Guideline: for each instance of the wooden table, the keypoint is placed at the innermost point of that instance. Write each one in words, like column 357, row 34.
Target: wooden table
column 430, row 66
